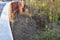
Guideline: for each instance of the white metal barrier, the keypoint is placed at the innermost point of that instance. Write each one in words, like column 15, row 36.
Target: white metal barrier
column 5, row 30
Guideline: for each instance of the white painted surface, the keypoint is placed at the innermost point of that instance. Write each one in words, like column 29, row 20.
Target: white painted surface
column 5, row 30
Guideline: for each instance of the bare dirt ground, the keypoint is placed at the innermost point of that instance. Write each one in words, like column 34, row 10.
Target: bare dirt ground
column 24, row 28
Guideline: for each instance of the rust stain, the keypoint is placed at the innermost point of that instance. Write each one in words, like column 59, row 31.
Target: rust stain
column 15, row 8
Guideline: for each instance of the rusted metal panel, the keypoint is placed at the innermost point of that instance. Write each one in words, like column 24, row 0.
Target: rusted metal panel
column 14, row 9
